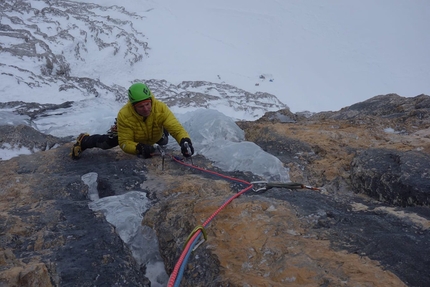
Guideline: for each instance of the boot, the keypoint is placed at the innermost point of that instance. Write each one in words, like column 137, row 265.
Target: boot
column 77, row 147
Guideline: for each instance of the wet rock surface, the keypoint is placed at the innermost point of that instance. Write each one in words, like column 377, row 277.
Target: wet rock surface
column 338, row 236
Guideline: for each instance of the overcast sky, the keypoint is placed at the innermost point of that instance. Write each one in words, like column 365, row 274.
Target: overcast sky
column 321, row 55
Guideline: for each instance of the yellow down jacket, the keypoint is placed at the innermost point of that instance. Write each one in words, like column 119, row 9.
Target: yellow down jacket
column 134, row 129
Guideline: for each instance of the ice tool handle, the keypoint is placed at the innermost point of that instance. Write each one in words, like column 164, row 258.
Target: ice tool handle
column 187, row 146
column 162, row 153
column 160, row 149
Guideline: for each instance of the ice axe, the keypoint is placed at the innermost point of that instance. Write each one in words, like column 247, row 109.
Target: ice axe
column 162, row 153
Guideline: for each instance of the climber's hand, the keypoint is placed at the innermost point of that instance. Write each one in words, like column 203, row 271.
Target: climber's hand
column 144, row 150
column 186, row 147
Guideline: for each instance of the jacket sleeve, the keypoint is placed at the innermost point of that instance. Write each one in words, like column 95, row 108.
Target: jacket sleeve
column 125, row 134
column 173, row 126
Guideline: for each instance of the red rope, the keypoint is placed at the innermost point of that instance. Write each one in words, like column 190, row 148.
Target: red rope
column 174, row 274
column 210, row 171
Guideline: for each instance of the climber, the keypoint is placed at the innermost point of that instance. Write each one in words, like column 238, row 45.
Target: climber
column 141, row 123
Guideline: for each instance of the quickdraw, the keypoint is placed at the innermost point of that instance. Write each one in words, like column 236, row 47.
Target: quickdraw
column 263, row 186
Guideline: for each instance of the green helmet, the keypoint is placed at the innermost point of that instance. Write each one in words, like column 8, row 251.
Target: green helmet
column 138, row 92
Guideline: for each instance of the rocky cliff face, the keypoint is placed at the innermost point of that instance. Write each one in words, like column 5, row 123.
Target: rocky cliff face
column 380, row 147
column 368, row 226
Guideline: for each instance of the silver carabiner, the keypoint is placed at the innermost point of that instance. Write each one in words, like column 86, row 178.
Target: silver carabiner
column 259, row 186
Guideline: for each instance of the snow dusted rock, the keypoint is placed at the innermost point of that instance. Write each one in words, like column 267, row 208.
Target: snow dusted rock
column 23, row 137
column 48, row 49
column 234, row 102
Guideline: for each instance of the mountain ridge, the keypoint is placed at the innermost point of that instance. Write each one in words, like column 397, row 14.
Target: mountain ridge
column 48, row 48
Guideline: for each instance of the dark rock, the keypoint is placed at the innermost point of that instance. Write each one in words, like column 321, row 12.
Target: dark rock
column 396, row 177
column 375, row 234
column 48, row 221
column 391, row 109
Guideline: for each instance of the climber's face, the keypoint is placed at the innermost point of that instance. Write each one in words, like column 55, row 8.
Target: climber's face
column 143, row 108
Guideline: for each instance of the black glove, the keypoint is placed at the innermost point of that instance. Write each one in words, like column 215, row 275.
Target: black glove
column 144, row 150
column 184, row 148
